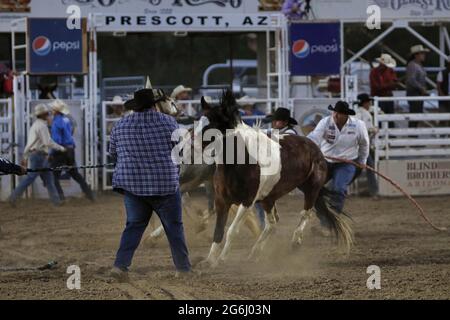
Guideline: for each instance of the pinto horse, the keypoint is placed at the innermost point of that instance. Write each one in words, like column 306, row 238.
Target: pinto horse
column 295, row 162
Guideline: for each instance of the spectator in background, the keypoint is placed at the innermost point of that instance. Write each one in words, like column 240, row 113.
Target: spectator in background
column 363, row 114
column 116, row 111
column 248, row 110
column 416, row 79
column 37, row 150
column 383, row 81
column 62, row 133
column 443, row 87
column 182, row 93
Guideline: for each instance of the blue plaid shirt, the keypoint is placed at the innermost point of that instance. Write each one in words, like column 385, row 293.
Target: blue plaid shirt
column 141, row 145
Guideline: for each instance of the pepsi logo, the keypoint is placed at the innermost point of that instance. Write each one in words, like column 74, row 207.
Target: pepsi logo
column 42, row 46
column 301, row 49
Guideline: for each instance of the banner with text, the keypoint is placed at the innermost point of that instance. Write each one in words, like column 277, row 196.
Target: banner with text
column 416, row 176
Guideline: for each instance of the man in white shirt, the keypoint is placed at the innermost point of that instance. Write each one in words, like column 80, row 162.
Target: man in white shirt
column 363, row 114
column 345, row 137
column 37, row 150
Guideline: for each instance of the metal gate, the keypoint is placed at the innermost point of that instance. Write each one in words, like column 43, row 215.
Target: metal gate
column 6, row 144
column 121, row 86
column 111, row 113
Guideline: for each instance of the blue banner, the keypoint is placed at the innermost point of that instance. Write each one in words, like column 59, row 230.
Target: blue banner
column 315, row 49
column 55, row 49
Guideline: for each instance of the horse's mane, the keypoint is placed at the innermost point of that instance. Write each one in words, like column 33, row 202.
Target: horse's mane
column 226, row 116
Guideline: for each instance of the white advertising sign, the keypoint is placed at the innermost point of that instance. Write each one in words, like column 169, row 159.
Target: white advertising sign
column 191, row 22
column 347, row 10
column 14, row 9
column 417, row 177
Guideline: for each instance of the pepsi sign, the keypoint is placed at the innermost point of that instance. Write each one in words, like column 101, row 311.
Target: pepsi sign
column 55, row 49
column 315, row 49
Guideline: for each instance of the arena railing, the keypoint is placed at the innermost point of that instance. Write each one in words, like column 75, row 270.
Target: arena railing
column 425, row 140
column 6, row 144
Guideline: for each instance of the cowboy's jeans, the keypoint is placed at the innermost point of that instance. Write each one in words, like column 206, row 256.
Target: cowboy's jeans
column 37, row 160
column 139, row 211
column 341, row 176
column 67, row 158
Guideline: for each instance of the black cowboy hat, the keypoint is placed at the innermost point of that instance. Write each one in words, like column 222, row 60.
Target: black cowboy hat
column 363, row 97
column 281, row 114
column 342, row 107
column 144, row 98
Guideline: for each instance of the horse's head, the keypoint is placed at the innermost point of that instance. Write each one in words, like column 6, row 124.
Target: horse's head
column 226, row 116
column 164, row 103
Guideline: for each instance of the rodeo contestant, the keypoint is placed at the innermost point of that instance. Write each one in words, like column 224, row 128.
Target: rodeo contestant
column 8, row 167
column 62, row 134
column 141, row 146
column 281, row 120
column 37, row 149
column 345, row 137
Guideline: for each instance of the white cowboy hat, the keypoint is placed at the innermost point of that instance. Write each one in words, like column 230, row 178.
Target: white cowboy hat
column 59, row 106
column 178, row 90
column 208, row 99
column 40, row 109
column 418, row 49
column 387, row 60
column 117, row 100
column 245, row 101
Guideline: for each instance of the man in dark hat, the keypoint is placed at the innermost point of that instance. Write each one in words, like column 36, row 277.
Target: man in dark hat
column 141, row 145
column 345, row 137
column 281, row 120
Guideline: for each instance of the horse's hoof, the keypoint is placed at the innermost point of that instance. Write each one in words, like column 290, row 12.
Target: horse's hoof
column 296, row 245
column 205, row 264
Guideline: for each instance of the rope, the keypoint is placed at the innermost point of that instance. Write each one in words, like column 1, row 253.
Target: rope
column 396, row 185
column 65, row 168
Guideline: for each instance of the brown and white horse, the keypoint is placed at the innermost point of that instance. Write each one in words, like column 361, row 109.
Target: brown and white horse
column 294, row 162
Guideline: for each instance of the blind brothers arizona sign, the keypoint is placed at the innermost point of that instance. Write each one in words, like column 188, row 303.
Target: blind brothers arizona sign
column 418, row 177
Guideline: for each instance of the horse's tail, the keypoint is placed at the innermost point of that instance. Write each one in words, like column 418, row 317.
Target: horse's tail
column 338, row 222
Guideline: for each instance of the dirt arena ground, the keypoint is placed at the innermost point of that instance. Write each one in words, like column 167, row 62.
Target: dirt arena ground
column 414, row 259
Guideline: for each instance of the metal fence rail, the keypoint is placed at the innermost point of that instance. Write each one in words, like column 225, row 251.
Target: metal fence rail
column 430, row 140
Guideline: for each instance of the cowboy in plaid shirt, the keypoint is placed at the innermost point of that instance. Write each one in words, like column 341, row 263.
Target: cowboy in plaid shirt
column 141, row 146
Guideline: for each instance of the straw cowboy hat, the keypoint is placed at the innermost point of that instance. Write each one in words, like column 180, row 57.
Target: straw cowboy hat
column 117, row 100
column 59, row 106
column 245, row 101
column 178, row 90
column 41, row 109
column 387, row 60
column 418, row 49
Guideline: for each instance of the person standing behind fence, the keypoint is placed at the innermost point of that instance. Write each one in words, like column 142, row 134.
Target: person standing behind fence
column 443, row 86
column 37, row 150
column 416, row 80
column 383, row 80
column 363, row 114
column 62, row 133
